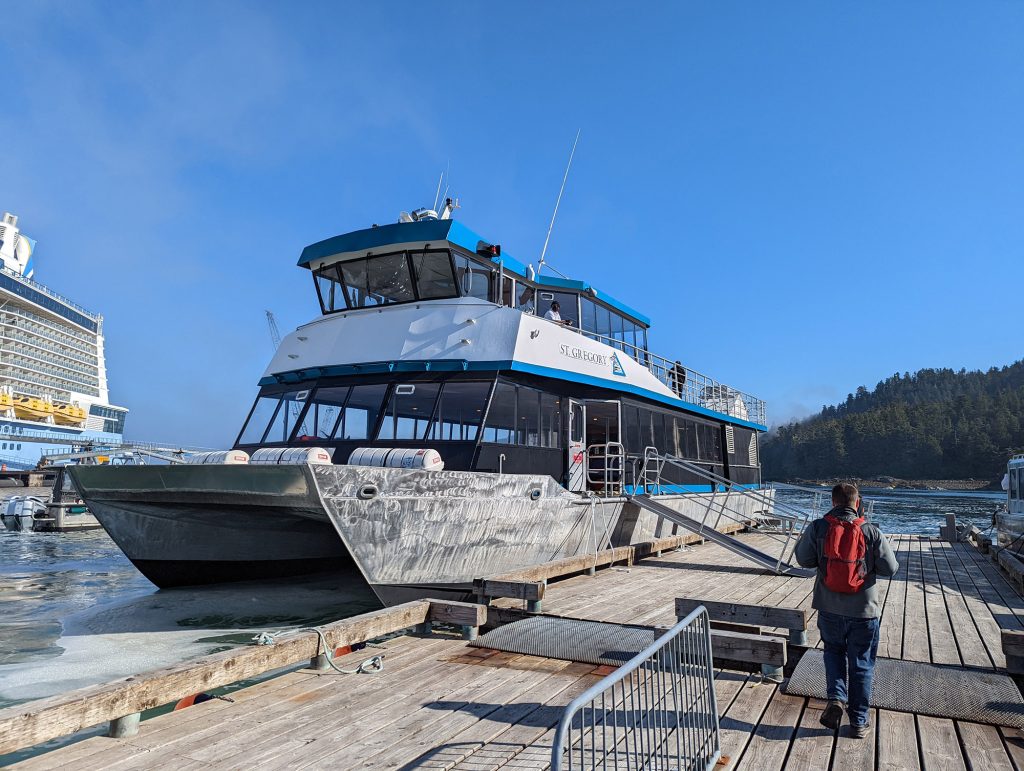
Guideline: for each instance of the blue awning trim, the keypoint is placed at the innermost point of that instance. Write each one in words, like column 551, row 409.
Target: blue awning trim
column 461, row 365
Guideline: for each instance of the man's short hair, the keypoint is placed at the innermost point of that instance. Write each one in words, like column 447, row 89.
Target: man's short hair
column 555, row 304
column 845, row 494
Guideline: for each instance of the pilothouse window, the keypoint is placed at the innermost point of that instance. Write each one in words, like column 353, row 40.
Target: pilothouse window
column 433, row 272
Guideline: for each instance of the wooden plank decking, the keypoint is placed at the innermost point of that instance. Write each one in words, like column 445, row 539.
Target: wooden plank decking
column 439, row 704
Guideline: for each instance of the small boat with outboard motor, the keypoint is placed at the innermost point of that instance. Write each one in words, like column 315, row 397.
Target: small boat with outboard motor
column 63, row 511
column 452, row 413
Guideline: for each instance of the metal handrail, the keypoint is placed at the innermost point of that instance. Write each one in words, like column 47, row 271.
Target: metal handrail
column 794, row 518
column 689, row 384
column 91, row 315
column 658, row 710
column 613, row 455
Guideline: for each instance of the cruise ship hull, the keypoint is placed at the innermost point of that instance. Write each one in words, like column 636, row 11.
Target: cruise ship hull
column 410, row 533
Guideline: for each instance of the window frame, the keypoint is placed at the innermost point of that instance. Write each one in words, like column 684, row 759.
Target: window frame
column 339, row 280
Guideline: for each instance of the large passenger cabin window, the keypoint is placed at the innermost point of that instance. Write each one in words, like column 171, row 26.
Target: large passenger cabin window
column 412, row 412
column 524, row 416
column 387, row 279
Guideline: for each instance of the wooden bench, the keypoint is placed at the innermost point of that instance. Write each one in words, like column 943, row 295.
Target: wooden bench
column 768, row 651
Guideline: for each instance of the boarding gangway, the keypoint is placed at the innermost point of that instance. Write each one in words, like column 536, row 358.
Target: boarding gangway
column 787, row 520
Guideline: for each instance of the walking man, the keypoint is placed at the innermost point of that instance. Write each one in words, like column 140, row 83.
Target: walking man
column 849, row 554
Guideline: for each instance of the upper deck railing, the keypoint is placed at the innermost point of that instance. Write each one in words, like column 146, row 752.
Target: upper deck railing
column 43, row 289
column 688, row 384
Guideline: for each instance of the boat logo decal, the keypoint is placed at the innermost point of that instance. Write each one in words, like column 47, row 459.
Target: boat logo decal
column 582, row 354
column 617, row 366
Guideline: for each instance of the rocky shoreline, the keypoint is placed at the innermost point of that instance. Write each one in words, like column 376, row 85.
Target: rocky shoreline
column 891, row 483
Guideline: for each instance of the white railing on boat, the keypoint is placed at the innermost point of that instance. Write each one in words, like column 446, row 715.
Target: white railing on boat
column 688, row 384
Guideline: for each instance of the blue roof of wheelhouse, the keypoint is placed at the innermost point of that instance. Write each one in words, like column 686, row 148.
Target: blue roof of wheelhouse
column 454, row 232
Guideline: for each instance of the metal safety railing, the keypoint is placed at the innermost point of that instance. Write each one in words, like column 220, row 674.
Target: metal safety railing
column 656, row 711
column 689, row 384
column 605, row 465
column 784, row 521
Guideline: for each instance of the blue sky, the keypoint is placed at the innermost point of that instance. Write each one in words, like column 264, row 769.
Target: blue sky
column 805, row 197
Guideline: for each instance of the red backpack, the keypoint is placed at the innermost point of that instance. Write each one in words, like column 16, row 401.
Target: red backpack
column 844, row 553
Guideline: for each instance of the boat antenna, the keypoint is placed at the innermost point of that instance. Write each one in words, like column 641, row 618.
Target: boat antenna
column 437, row 195
column 558, row 200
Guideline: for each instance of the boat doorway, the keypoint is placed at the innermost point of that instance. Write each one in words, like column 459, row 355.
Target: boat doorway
column 594, row 450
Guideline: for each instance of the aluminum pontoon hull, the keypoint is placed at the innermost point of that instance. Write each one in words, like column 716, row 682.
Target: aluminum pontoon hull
column 410, row 533
column 191, row 525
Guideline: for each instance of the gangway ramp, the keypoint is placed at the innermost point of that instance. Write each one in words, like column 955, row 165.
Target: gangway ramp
column 776, row 564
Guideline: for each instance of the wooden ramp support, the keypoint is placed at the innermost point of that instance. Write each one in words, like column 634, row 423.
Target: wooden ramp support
column 122, row 701
column 767, row 650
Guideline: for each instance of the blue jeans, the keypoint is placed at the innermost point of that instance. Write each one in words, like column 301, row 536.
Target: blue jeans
column 850, row 644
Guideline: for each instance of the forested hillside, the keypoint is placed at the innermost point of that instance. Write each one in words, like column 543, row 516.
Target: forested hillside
column 934, row 424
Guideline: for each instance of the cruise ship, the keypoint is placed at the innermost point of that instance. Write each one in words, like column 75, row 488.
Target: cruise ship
column 450, row 414
column 53, row 377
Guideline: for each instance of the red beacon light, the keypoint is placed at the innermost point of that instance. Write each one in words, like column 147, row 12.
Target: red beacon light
column 488, row 250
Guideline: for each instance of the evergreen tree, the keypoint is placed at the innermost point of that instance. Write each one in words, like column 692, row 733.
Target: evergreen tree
column 932, row 424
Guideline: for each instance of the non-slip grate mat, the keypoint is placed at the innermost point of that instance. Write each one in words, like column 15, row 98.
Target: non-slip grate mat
column 927, row 689
column 591, row 642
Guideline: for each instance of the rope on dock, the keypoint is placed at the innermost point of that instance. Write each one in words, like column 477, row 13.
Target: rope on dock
column 370, row 666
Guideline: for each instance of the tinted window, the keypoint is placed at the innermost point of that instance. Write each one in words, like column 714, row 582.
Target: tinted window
column 283, row 424
column 377, row 280
column 361, row 411
column 329, row 289
column 459, row 411
column 324, row 416
column 473, row 278
column 550, row 420
column 1014, row 481
column 501, row 417
column 266, row 407
column 709, row 443
column 528, row 417
column 433, row 272
column 588, row 316
column 567, row 309
column 686, row 438
column 409, row 411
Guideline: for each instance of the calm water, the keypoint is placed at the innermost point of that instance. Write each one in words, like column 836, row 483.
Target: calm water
column 73, row 610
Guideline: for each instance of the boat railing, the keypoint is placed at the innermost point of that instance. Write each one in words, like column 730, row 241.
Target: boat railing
column 689, row 384
column 783, row 520
column 43, row 289
column 605, row 466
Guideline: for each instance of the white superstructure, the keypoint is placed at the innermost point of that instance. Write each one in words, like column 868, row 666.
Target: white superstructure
column 53, row 380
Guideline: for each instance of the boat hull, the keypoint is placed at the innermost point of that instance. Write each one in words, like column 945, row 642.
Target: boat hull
column 410, row 533
column 191, row 525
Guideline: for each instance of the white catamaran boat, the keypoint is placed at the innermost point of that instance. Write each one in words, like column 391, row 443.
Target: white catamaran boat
column 471, row 418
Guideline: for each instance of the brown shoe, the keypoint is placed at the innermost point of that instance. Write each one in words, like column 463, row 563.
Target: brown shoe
column 833, row 715
column 860, row 731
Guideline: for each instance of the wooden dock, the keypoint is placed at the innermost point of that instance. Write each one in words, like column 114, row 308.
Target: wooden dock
column 439, row 704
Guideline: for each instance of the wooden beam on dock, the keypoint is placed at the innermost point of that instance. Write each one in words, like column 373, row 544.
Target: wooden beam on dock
column 564, row 567
column 530, row 591
column 750, row 615
column 25, row 725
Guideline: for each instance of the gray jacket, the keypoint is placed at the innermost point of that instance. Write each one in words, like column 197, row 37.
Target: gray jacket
column 880, row 562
